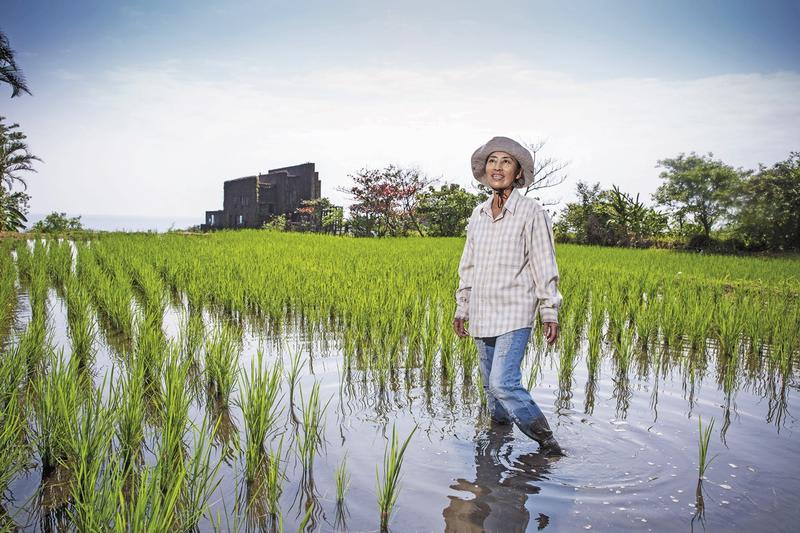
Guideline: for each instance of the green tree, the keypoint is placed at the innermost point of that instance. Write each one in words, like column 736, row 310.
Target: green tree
column 10, row 73
column 13, row 206
column 57, row 223
column 584, row 221
column 769, row 210
column 608, row 217
column 14, row 156
column 311, row 213
column 630, row 221
column 698, row 189
column 445, row 212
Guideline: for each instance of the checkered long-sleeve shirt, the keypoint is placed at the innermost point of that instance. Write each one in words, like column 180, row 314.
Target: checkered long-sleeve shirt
column 508, row 267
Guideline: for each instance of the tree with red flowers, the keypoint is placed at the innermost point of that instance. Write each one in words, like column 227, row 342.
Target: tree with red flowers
column 386, row 201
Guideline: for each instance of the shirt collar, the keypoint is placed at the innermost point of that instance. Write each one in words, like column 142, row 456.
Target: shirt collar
column 510, row 205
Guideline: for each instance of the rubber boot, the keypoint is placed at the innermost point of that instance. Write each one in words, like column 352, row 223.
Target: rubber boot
column 539, row 430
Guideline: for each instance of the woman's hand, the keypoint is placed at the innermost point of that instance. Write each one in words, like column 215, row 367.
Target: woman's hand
column 551, row 332
column 460, row 327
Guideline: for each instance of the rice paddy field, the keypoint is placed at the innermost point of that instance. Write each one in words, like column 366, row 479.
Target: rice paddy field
column 258, row 381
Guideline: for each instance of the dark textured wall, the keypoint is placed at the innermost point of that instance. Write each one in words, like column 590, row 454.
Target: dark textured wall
column 239, row 204
column 256, row 199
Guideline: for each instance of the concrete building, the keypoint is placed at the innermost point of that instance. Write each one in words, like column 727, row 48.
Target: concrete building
column 250, row 201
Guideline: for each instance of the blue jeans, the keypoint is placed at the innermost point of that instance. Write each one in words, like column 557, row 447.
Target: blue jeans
column 500, row 359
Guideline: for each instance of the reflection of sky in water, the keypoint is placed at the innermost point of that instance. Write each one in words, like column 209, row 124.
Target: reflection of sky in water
column 632, row 446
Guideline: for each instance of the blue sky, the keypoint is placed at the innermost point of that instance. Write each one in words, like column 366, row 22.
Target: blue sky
column 137, row 104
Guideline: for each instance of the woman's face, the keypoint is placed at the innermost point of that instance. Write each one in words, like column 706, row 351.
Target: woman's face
column 501, row 170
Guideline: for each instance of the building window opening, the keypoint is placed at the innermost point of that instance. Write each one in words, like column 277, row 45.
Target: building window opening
column 241, row 219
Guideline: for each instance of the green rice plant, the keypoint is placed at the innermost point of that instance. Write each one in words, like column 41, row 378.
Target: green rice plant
column 34, row 346
column 260, row 407
column 430, row 343
column 222, row 364
column 534, row 372
column 702, row 457
column 342, row 477
column 59, row 261
column 388, row 488
column 729, row 324
column 201, row 477
column 8, row 291
column 296, row 364
column 90, row 443
column 624, row 349
column 192, row 333
column 55, row 400
column 646, row 321
column 129, row 397
column 38, row 293
column 13, row 452
column 24, row 260
column 171, row 451
column 82, row 330
column 153, row 505
column 310, row 438
column 273, row 480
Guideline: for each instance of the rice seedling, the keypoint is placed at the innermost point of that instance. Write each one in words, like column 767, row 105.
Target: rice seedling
column 729, row 325
column 24, row 260
column 59, row 261
column 55, row 400
column 90, row 443
column 385, row 312
column 388, row 488
column 13, row 452
column 201, row 477
column 702, row 456
column 154, row 502
column 222, row 364
column 260, row 411
column 310, row 438
column 171, row 452
column 273, row 480
column 342, row 477
column 296, row 364
column 82, row 330
column 129, row 397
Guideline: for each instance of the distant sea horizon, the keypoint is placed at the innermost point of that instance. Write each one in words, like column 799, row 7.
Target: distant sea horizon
column 158, row 224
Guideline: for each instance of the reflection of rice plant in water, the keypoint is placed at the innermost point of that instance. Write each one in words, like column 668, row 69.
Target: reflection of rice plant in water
column 389, row 485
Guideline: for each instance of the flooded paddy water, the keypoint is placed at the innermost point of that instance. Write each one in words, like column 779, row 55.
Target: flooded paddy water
column 624, row 397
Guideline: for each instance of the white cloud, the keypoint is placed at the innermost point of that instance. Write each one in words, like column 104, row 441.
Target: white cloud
column 161, row 141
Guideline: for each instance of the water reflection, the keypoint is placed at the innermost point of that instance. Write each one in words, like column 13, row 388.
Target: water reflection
column 495, row 500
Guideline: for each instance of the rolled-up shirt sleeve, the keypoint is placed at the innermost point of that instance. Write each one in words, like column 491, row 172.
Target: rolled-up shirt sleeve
column 542, row 259
column 466, row 274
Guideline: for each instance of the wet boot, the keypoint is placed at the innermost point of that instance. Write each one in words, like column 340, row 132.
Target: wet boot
column 539, row 430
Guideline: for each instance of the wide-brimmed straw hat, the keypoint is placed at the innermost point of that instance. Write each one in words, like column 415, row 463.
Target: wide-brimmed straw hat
column 510, row 146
